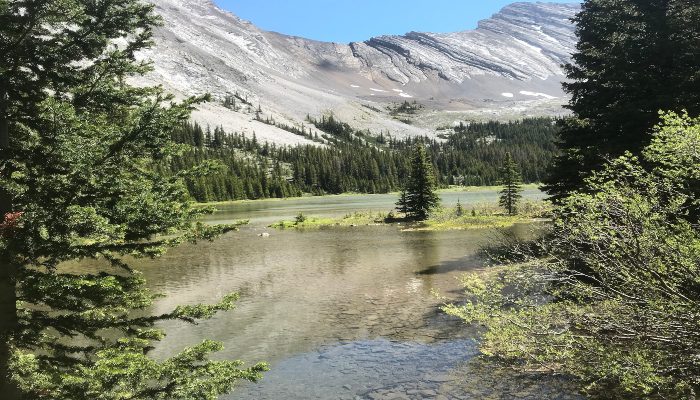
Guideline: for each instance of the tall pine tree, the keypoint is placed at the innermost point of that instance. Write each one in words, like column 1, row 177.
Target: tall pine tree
column 633, row 59
column 512, row 185
column 420, row 195
column 402, row 203
column 79, row 148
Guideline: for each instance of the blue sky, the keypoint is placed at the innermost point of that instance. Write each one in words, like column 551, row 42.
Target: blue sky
column 356, row 20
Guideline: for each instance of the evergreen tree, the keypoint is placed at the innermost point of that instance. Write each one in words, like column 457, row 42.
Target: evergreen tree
column 421, row 197
column 459, row 210
column 634, row 58
column 402, row 204
column 80, row 151
column 510, row 179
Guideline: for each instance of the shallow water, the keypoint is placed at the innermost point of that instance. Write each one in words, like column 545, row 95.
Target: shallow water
column 339, row 313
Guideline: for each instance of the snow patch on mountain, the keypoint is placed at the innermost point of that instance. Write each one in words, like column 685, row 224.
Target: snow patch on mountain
column 535, row 94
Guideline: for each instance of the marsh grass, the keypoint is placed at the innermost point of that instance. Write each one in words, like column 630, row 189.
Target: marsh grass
column 477, row 216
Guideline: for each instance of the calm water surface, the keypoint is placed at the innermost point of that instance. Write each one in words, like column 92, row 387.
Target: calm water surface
column 341, row 313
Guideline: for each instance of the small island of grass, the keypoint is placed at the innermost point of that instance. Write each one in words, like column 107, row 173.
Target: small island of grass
column 442, row 219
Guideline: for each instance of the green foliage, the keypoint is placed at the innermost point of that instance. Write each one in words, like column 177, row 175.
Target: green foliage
column 512, row 186
column 349, row 220
column 353, row 161
column 253, row 170
column 402, row 203
column 459, row 210
column 633, row 58
column 419, row 196
column 442, row 219
column 611, row 295
column 405, row 108
column 81, row 176
column 124, row 371
column 473, row 154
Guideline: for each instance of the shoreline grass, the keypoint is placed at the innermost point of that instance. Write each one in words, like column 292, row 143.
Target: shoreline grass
column 451, row 189
column 349, row 220
column 444, row 219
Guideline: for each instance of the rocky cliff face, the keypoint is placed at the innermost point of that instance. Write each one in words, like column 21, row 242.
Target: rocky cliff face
column 524, row 41
column 510, row 63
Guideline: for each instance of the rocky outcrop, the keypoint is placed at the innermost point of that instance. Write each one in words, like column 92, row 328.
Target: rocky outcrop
column 523, row 41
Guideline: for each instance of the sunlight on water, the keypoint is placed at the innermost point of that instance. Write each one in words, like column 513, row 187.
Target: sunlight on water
column 339, row 313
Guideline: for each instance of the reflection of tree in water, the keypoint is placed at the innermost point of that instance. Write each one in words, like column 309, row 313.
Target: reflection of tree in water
column 423, row 246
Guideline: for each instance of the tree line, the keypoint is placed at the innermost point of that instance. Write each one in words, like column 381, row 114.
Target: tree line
column 357, row 161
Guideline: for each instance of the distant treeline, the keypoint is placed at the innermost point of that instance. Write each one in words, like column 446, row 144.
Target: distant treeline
column 357, row 161
column 474, row 153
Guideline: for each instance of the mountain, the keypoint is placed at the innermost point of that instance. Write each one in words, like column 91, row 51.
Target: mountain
column 510, row 66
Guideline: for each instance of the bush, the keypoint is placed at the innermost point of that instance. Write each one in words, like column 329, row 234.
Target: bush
column 611, row 294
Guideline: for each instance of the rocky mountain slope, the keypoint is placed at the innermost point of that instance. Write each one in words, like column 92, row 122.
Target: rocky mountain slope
column 508, row 67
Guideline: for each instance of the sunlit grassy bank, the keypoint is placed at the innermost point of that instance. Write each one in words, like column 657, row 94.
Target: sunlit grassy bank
column 447, row 218
column 451, row 189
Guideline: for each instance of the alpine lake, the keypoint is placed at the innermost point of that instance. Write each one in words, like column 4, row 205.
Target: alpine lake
column 341, row 312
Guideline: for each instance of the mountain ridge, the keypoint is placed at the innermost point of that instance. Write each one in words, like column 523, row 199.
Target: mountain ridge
column 508, row 65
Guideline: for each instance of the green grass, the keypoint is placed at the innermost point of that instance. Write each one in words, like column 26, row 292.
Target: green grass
column 444, row 219
column 304, row 196
column 307, row 195
column 483, row 188
column 481, row 216
column 354, row 219
column 468, row 222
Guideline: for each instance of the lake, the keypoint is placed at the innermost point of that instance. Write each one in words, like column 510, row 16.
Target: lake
column 340, row 313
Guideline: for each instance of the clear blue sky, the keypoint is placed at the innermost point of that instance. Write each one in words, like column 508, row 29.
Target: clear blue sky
column 357, row 20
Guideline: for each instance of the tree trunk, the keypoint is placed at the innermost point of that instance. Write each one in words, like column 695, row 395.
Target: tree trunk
column 8, row 271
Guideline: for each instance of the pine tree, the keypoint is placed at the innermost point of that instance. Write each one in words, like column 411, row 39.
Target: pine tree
column 634, row 58
column 402, row 204
column 79, row 155
column 510, row 179
column 421, row 197
column 459, row 210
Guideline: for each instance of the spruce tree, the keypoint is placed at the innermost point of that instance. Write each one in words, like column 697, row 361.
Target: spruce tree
column 510, row 179
column 633, row 59
column 421, row 197
column 402, row 204
column 79, row 154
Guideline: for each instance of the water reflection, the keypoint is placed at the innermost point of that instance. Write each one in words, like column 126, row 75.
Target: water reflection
column 339, row 313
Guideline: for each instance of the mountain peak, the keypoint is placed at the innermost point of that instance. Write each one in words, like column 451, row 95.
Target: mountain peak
column 202, row 48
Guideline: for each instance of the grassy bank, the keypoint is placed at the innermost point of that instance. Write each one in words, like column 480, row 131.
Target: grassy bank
column 483, row 188
column 311, row 222
column 443, row 219
column 451, row 189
